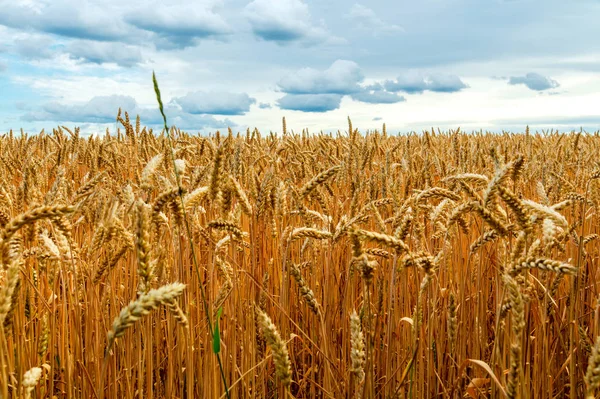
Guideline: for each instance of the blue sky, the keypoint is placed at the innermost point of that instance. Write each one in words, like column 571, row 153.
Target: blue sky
column 489, row 64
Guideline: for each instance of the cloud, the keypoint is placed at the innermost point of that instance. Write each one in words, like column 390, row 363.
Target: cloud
column 103, row 109
column 312, row 90
column 366, row 19
column 167, row 26
column 342, row 77
column 310, row 102
column 34, row 47
column 179, row 26
column 216, row 103
column 264, row 106
column 3, row 66
column 442, row 83
column 285, row 22
column 61, row 17
column 40, row 47
column 105, row 52
column 534, row 81
column 377, row 97
column 377, row 118
column 100, row 109
column 418, row 82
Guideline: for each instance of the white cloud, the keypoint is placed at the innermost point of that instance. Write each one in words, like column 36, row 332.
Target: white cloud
column 312, row 90
column 39, row 47
column 61, row 17
column 418, row 82
column 165, row 25
column 179, row 26
column 105, row 52
column 99, row 109
column 77, row 88
column 342, row 77
column 217, row 103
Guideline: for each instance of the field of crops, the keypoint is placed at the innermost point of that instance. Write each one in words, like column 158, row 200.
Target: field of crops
column 138, row 264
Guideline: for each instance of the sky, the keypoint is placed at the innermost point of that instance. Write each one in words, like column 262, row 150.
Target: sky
column 475, row 64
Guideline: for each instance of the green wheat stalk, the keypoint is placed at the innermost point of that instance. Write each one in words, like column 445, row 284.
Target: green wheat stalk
column 216, row 336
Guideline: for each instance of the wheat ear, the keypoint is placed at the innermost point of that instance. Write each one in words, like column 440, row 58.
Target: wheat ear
column 283, row 367
column 357, row 352
column 592, row 375
column 141, row 307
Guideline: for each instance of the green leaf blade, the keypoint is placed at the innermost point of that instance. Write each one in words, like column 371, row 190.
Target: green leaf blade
column 217, row 335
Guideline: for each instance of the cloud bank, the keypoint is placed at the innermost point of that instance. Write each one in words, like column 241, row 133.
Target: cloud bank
column 102, row 109
column 312, row 90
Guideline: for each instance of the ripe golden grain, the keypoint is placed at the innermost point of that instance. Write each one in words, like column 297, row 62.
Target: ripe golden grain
column 455, row 252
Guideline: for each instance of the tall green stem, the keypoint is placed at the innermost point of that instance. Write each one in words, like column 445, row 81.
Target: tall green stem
column 187, row 227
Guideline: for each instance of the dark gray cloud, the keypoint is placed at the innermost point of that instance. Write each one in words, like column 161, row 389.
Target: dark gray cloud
column 310, row 102
column 418, row 82
column 215, row 103
column 534, row 81
column 103, row 109
column 264, row 106
column 105, row 52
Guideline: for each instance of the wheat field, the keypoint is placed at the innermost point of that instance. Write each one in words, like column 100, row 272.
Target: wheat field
column 142, row 264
